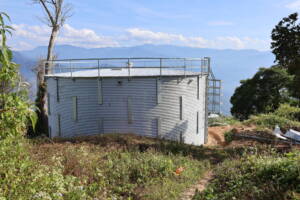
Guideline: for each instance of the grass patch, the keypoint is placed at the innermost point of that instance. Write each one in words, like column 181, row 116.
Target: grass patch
column 223, row 121
column 124, row 167
column 106, row 167
column 261, row 177
column 285, row 116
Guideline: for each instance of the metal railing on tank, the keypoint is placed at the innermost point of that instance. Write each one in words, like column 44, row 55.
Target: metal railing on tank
column 161, row 66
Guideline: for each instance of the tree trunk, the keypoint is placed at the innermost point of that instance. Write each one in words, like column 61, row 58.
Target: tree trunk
column 41, row 101
column 50, row 47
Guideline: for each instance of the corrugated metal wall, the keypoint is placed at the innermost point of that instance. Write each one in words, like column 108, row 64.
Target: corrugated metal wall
column 147, row 106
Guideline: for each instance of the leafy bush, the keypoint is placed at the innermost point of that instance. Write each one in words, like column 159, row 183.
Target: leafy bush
column 256, row 177
column 24, row 178
column 285, row 116
column 288, row 111
column 228, row 135
column 15, row 109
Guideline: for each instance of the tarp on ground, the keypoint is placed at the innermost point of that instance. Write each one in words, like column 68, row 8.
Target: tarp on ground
column 292, row 134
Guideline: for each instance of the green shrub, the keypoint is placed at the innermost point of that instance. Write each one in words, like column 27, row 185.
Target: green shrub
column 256, row 177
column 228, row 135
column 23, row 178
column 288, row 111
column 285, row 116
column 15, row 108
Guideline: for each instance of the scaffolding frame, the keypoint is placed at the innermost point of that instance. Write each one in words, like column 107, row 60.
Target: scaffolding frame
column 213, row 92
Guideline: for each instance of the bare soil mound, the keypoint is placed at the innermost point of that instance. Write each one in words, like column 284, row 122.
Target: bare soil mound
column 216, row 135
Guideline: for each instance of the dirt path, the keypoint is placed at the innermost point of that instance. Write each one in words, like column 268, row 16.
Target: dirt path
column 200, row 186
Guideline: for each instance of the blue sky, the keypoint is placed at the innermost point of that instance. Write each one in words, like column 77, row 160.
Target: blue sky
column 221, row 24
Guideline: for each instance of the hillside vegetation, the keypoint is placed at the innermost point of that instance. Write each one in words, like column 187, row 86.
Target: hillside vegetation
column 261, row 177
column 119, row 167
column 270, row 174
column 112, row 170
column 286, row 116
column 133, row 167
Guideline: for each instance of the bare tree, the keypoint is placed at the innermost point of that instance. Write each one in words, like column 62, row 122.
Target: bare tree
column 56, row 14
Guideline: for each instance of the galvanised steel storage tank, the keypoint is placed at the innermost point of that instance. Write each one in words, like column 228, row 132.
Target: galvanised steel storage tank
column 156, row 97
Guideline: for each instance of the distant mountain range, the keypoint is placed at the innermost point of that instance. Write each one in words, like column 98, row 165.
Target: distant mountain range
column 230, row 66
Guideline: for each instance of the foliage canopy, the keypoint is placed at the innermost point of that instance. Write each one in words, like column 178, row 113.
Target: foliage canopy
column 286, row 47
column 264, row 92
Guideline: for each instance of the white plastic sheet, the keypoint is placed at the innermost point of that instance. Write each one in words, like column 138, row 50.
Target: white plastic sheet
column 277, row 132
column 292, row 134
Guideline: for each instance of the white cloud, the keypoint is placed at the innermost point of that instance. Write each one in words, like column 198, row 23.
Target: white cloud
column 223, row 42
column 39, row 35
column 84, row 38
column 36, row 33
column 295, row 5
column 28, row 37
column 148, row 36
column 229, row 42
column 220, row 23
column 20, row 45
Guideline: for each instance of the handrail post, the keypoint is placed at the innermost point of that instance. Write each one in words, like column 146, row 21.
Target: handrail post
column 184, row 67
column 160, row 67
column 98, row 61
column 202, row 65
column 71, row 68
column 208, row 64
column 128, row 66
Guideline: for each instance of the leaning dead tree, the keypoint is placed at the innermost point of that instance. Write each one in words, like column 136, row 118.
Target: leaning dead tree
column 56, row 14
